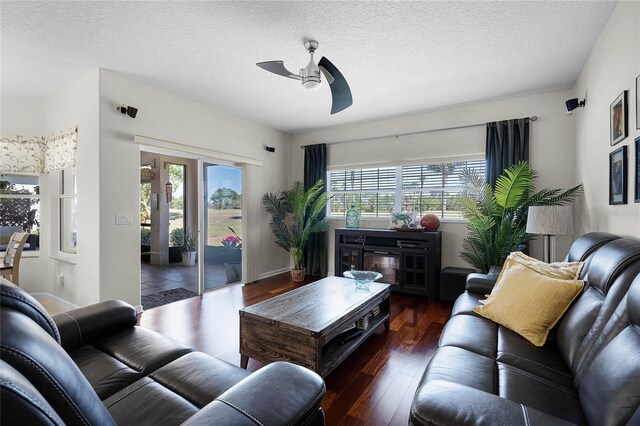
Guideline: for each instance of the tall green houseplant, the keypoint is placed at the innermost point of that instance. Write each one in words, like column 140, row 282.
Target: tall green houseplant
column 294, row 215
column 497, row 218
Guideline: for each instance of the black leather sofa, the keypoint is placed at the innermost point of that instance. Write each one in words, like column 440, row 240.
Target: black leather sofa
column 587, row 373
column 94, row 366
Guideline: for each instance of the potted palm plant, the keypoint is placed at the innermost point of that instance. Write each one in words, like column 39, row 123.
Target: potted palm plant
column 497, row 217
column 189, row 248
column 293, row 216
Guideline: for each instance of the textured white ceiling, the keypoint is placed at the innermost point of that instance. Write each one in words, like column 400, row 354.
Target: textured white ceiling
column 398, row 57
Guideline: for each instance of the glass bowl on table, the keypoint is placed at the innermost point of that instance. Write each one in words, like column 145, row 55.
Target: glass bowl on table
column 363, row 279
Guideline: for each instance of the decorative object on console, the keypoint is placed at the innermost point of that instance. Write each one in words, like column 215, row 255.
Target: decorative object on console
column 550, row 221
column 618, row 118
column 363, row 279
column 430, row 222
column 402, row 220
column 353, row 218
column 618, row 176
column 498, row 217
column 293, row 216
column 636, row 198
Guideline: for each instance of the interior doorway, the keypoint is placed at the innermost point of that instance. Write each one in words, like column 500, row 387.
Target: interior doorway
column 188, row 201
column 168, row 218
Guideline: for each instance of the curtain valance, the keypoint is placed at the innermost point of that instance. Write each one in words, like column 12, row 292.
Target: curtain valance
column 38, row 154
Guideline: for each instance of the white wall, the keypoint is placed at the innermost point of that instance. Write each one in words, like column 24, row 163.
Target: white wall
column 551, row 149
column 170, row 117
column 612, row 67
column 77, row 105
column 27, row 117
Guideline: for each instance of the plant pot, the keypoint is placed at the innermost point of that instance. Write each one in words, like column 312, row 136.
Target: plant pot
column 297, row 275
column 189, row 258
column 233, row 271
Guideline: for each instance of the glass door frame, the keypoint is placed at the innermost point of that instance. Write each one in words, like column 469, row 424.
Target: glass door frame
column 202, row 243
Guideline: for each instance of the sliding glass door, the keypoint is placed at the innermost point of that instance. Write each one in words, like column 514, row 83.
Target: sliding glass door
column 222, row 225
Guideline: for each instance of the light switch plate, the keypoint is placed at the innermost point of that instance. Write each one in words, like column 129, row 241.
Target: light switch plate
column 124, row 218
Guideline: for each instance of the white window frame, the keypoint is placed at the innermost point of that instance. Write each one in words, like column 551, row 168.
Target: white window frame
column 60, row 201
column 398, row 190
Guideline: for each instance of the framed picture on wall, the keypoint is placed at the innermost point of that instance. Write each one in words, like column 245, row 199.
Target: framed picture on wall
column 636, row 192
column 618, row 118
column 618, row 176
column 638, row 102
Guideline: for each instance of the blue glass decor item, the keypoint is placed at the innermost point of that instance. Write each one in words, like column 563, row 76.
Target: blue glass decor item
column 363, row 278
column 353, row 217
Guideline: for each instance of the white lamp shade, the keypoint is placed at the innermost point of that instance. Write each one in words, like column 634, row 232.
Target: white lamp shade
column 550, row 220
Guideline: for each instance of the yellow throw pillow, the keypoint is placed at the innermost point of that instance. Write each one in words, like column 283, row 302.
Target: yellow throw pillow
column 528, row 302
column 560, row 270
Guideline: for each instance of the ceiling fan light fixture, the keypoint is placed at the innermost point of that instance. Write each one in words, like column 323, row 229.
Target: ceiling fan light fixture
column 312, row 83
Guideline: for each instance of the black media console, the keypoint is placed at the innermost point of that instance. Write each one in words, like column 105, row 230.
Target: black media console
column 409, row 261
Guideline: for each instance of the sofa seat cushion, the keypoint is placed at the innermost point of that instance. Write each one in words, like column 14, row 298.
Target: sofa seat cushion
column 465, row 303
column 464, row 367
column 106, row 374
column 116, row 362
column 535, row 392
column 475, row 334
column 544, row 361
column 141, row 349
column 148, row 402
column 198, row 377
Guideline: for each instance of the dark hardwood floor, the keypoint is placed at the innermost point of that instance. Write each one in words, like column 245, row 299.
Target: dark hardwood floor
column 374, row 386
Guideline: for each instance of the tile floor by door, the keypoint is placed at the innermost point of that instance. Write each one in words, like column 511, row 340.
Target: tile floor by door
column 158, row 278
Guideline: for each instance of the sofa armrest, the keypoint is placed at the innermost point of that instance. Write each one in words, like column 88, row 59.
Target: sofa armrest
column 441, row 403
column 480, row 283
column 82, row 326
column 278, row 394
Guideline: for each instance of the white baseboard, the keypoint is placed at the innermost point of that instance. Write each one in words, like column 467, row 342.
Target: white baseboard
column 54, row 299
column 274, row 272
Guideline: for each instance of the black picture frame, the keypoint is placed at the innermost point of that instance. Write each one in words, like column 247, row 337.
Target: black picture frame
column 618, row 119
column 618, row 176
column 636, row 192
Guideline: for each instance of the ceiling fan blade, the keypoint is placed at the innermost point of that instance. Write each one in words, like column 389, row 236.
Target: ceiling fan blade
column 277, row 67
column 340, row 92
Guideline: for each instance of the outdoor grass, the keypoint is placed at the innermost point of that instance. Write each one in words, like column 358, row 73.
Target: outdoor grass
column 218, row 222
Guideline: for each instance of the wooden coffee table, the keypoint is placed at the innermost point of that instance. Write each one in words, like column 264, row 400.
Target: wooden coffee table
column 301, row 326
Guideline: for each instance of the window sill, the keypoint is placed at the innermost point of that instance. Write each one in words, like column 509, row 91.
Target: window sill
column 66, row 258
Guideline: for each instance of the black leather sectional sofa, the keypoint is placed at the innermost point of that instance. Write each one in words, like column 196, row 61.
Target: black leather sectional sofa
column 94, row 366
column 587, row 373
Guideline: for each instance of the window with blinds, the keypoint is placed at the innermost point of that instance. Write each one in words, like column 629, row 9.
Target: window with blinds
column 436, row 188
column 371, row 191
column 426, row 188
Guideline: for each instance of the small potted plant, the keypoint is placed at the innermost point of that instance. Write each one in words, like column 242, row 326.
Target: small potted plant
column 233, row 256
column 293, row 216
column 189, row 248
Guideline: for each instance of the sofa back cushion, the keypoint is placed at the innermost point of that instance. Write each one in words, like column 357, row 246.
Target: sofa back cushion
column 610, row 272
column 610, row 390
column 34, row 353
column 12, row 296
column 21, row 403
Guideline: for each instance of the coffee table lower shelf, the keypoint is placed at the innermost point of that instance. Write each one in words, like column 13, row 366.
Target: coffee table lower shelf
column 283, row 345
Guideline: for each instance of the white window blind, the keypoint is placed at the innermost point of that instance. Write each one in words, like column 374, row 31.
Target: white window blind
column 423, row 188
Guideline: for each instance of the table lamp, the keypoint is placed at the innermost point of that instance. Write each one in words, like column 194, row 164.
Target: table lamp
column 550, row 221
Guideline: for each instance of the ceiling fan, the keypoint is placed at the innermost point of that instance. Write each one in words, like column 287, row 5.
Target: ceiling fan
column 310, row 77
